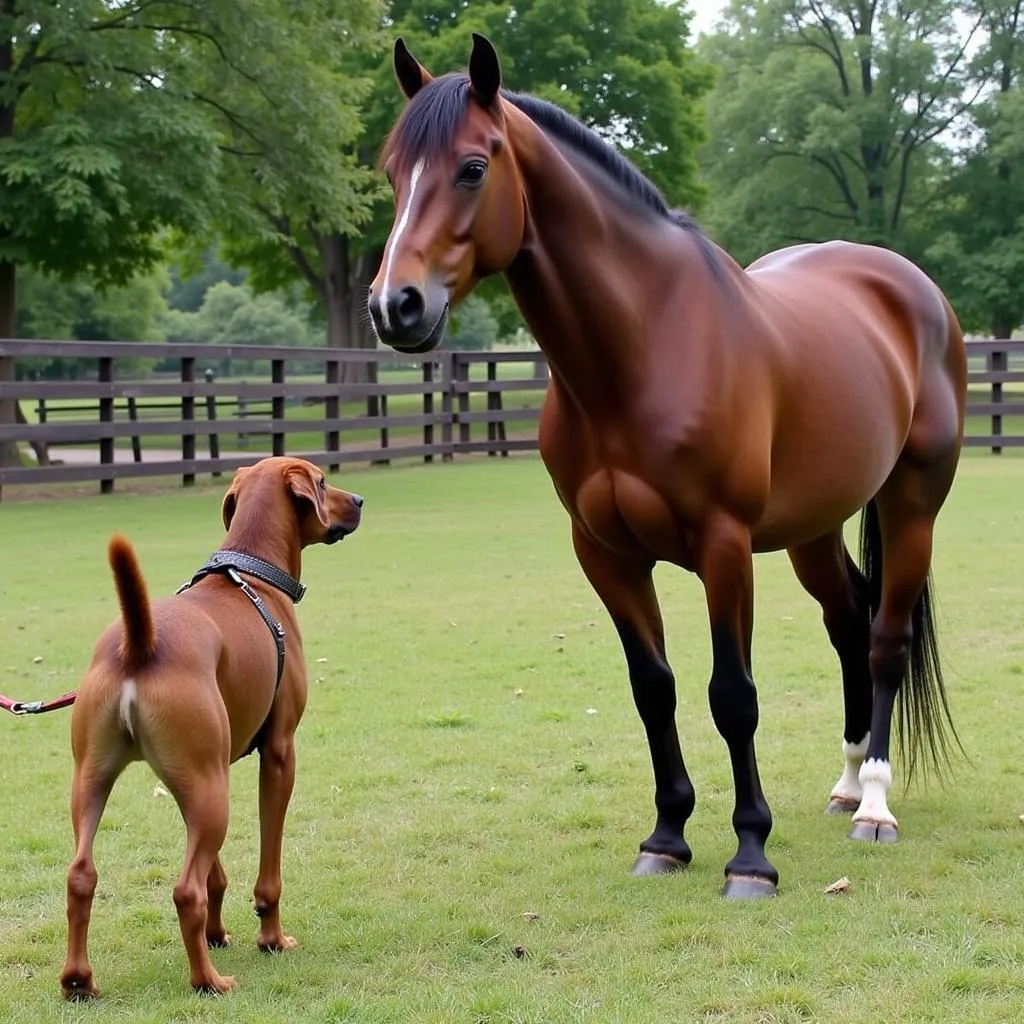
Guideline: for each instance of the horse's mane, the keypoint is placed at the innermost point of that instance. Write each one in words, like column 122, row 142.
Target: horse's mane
column 430, row 120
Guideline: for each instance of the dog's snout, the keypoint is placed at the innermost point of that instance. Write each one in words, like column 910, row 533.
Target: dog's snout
column 357, row 500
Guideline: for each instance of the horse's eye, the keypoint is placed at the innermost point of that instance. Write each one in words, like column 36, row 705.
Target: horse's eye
column 472, row 172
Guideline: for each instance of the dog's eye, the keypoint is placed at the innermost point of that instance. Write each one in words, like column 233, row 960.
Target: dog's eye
column 323, row 484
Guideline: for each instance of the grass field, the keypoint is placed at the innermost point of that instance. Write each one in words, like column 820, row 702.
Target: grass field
column 473, row 779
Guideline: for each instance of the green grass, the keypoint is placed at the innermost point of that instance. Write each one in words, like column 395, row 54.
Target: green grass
column 456, row 801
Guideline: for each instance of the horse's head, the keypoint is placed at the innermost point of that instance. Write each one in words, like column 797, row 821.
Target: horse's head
column 459, row 206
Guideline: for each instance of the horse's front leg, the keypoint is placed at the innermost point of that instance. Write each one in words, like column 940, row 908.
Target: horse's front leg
column 725, row 566
column 626, row 589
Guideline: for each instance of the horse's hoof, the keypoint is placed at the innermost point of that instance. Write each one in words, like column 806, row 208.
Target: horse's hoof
column 842, row 805
column 874, row 832
column 657, row 864
column 747, row 887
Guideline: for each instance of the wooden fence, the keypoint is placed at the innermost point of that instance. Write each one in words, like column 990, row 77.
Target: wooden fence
column 106, row 427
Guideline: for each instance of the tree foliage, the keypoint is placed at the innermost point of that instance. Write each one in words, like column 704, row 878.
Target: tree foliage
column 826, row 115
column 979, row 254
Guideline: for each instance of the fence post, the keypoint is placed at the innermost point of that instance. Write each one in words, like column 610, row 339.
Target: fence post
column 8, row 410
column 462, row 376
column 243, row 411
column 428, row 406
column 997, row 362
column 447, row 390
column 495, row 428
column 332, row 437
column 106, row 376
column 277, row 405
column 133, row 415
column 211, row 416
column 188, row 415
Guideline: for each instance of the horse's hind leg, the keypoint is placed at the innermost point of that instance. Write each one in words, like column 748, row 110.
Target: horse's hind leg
column 626, row 589
column 828, row 573
column 903, row 648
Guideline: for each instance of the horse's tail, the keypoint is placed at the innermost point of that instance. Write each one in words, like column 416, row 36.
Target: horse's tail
column 139, row 642
column 923, row 720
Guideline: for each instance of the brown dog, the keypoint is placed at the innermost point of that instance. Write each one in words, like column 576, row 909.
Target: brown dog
column 193, row 682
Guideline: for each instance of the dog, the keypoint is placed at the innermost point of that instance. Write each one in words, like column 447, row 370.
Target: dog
column 190, row 684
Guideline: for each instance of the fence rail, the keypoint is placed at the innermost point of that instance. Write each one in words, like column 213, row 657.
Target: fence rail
column 107, row 427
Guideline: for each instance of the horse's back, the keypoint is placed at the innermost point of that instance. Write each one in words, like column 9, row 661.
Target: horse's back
column 857, row 277
column 870, row 365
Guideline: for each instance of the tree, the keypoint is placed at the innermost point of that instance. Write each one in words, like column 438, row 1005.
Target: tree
column 979, row 256
column 54, row 309
column 473, row 326
column 115, row 117
column 623, row 66
column 96, row 148
column 192, row 277
column 307, row 192
column 826, row 115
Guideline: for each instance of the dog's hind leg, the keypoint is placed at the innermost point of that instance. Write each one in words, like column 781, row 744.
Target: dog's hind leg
column 203, row 800
column 277, row 777
column 216, row 885
column 90, row 788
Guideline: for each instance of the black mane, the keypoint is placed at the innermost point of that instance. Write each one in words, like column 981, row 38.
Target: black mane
column 430, row 120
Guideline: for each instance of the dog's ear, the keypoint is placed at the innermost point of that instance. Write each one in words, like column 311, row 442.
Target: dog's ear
column 230, row 503
column 227, row 509
column 308, row 484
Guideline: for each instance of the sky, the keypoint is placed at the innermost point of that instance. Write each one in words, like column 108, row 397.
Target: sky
column 705, row 13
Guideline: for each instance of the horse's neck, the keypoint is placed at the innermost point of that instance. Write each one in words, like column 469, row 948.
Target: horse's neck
column 592, row 275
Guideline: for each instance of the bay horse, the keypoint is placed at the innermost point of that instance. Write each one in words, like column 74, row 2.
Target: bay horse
column 697, row 413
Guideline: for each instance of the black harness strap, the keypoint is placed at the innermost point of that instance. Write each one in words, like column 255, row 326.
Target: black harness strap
column 230, row 564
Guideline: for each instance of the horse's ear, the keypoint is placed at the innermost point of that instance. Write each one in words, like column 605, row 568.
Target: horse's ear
column 411, row 74
column 484, row 70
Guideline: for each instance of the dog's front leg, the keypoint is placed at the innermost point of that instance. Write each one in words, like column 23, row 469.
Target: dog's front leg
column 277, row 777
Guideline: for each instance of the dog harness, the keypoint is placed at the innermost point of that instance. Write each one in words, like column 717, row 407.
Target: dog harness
column 230, row 564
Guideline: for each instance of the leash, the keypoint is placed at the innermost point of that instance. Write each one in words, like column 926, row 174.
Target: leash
column 36, row 707
column 225, row 563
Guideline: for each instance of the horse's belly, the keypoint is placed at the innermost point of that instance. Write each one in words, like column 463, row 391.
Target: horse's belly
column 822, row 481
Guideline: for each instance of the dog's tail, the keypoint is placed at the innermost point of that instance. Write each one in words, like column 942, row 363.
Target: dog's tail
column 139, row 643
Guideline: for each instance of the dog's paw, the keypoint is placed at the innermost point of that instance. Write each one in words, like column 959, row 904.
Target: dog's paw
column 276, row 945
column 215, row 985
column 78, row 986
column 218, row 940
column 79, row 993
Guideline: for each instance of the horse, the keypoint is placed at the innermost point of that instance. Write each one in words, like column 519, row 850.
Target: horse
column 698, row 413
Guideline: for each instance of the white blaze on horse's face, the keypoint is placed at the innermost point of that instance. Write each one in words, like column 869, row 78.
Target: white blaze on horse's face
column 403, row 221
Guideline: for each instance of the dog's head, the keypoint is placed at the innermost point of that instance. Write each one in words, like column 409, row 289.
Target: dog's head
column 283, row 489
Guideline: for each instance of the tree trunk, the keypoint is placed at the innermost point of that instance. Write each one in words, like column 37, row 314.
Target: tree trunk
column 346, row 284
column 1001, row 326
column 8, row 407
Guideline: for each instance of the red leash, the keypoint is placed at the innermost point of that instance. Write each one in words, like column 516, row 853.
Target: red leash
column 36, row 707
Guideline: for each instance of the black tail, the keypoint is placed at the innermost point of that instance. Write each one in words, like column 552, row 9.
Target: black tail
column 923, row 720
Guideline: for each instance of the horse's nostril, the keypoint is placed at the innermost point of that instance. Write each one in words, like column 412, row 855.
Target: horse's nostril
column 410, row 307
